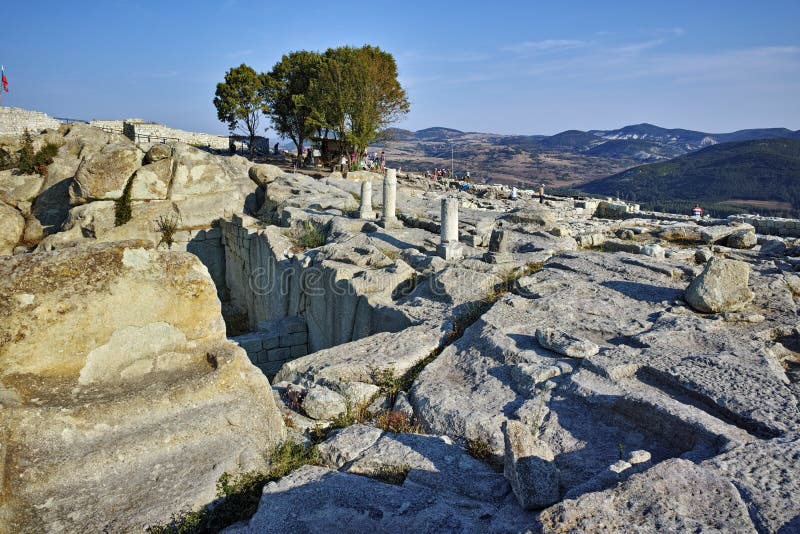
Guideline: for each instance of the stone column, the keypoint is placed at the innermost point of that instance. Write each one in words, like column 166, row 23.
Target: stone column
column 390, row 200
column 365, row 210
column 498, row 247
column 450, row 249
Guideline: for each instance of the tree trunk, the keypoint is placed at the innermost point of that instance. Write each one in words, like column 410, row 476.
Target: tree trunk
column 252, row 144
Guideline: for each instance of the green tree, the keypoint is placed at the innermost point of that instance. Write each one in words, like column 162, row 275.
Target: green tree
column 288, row 96
column 357, row 95
column 241, row 100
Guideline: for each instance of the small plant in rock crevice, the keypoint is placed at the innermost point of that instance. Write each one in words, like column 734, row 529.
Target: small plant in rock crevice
column 479, row 449
column 397, row 422
column 167, row 226
column 123, row 210
column 309, row 235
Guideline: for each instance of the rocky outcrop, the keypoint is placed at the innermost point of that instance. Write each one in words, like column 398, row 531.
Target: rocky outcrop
column 721, row 287
column 104, row 174
column 676, row 496
column 529, row 467
column 123, row 401
column 12, row 225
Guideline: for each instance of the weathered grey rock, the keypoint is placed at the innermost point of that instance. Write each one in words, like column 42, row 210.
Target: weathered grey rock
column 347, row 444
column 532, row 215
column 565, row 344
column 114, row 367
column 358, row 361
column 402, row 405
column 264, row 173
column 498, row 247
column 674, row 496
column 702, row 255
column 12, row 226
column 718, row 234
column 654, row 251
column 768, row 479
column 721, row 287
column 743, row 239
column 773, row 247
column 680, row 232
column 530, row 468
column 157, row 152
column 16, row 188
column 334, row 501
column 322, row 403
column 104, row 174
column 151, row 181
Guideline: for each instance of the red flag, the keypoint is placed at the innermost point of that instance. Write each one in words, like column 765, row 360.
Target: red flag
column 4, row 79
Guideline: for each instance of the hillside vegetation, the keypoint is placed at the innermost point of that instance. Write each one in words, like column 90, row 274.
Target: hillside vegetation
column 761, row 174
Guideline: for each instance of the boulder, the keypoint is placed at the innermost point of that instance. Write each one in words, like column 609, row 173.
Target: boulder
column 531, row 215
column 264, row 173
column 530, row 468
column 322, row 403
column 721, row 287
column 743, row 239
column 104, row 174
column 674, row 496
column 151, row 182
column 718, row 234
column 157, row 153
column 654, row 251
column 346, row 444
column 123, row 402
column 565, row 344
column 773, row 246
column 12, row 225
column 702, row 255
column 680, row 232
column 16, row 188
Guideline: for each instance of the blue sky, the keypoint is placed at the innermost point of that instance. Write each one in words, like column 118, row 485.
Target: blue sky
column 506, row 67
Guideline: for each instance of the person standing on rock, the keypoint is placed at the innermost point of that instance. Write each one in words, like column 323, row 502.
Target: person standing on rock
column 697, row 212
column 541, row 194
column 383, row 161
column 513, row 193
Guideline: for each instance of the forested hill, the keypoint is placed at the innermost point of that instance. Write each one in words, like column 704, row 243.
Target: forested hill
column 765, row 171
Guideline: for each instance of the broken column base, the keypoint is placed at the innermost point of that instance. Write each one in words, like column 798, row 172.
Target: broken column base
column 387, row 223
column 367, row 215
column 497, row 257
column 450, row 251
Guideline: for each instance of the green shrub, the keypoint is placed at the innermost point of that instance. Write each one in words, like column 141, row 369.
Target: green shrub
column 31, row 162
column 479, row 449
column 310, row 235
column 167, row 225
column 122, row 206
column 397, row 422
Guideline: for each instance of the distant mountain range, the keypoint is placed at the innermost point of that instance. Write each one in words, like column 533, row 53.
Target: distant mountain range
column 565, row 159
column 760, row 175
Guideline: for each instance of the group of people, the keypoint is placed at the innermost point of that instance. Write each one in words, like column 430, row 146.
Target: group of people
column 367, row 162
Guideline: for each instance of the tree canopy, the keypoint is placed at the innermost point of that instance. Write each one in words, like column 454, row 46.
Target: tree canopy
column 288, row 96
column 241, row 100
column 357, row 94
column 352, row 92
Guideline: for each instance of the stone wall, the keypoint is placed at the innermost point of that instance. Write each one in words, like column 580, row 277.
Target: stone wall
column 275, row 343
column 107, row 125
column 14, row 121
column 147, row 132
column 267, row 282
column 770, row 225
